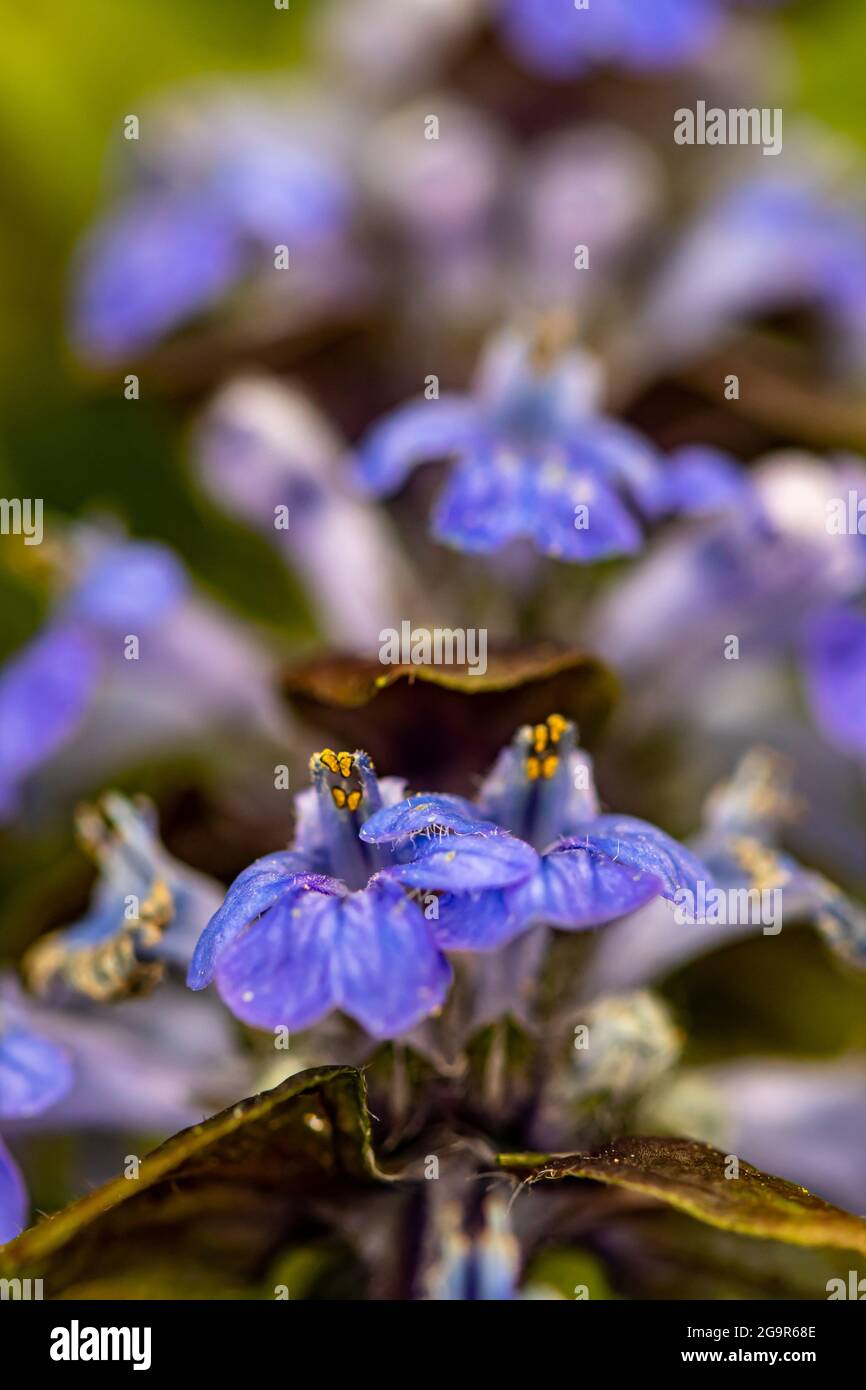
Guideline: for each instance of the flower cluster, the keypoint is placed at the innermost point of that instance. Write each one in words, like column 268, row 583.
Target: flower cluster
column 334, row 922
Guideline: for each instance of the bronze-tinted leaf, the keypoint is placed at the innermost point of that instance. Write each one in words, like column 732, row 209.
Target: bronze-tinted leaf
column 691, row 1177
column 224, row 1197
column 441, row 726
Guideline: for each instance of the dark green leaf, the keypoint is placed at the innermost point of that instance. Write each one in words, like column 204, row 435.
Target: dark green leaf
column 224, row 1197
column 691, row 1177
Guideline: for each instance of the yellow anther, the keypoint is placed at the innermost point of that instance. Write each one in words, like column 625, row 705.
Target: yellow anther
column 329, row 758
column 549, row 766
column 339, row 797
column 354, row 800
column 346, row 762
column 557, row 726
column 539, row 738
column 533, row 768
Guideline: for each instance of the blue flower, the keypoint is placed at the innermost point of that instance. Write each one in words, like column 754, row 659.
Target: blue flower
column 48, row 687
column 740, row 841
column 13, row 1197
column 146, row 913
column 534, row 459
column 478, row 1261
column 779, row 561
column 481, row 1266
column 45, row 691
column 152, row 1064
column 702, row 481
column 34, row 1074
column 328, row 924
column 194, row 668
column 768, row 244
column 559, row 40
column 834, row 659
column 262, row 446
column 155, row 262
column 214, row 199
column 591, row 868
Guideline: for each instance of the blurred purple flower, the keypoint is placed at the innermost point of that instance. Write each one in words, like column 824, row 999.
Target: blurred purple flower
column 386, row 45
column 768, row 244
column 480, row 1265
column 834, row 656
column 805, row 1121
column 72, row 684
column 148, row 1065
column 34, row 1075
column 224, row 181
column 765, row 564
column 562, row 38
column 535, row 459
column 593, row 185
column 740, row 842
column 45, row 691
column 264, row 452
column 147, row 910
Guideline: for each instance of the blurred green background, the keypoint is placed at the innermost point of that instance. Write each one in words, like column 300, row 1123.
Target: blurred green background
column 70, row 73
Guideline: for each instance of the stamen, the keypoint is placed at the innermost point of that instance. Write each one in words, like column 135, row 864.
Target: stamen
column 557, row 726
column 540, row 737
column 329, row 758
column 541, row 763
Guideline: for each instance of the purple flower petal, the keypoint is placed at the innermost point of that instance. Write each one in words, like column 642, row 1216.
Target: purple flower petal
column 624, row 458
column 701, row 481
column 389, row 972
column 479, row 921
column 371, row 954
column 44, row 692
column 498, row 494
column 663, row 34
column 487, row 500
column 638, row 845
column 34, row 1073
column 255, row 890
column 421, row 813
column 578, row 517
column 283, row 195
column 576, row 888
column 835, row 671
column 128, row 587
column 460, row 863
column 419, row 432
column 558, row 40
column 279, row 972
column 13, row 1197
column 152, row 265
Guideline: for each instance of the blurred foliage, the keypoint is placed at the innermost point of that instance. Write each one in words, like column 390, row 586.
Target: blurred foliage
column 829, row 40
